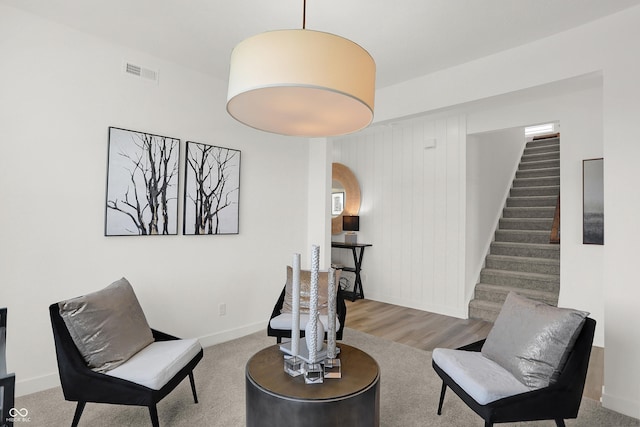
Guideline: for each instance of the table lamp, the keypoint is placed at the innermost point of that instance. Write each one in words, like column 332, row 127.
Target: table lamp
column 350, row 224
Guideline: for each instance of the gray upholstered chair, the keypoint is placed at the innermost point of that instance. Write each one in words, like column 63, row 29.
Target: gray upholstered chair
column 7, row 381
column 279, row 325
column 532, row 366
column 108, row 354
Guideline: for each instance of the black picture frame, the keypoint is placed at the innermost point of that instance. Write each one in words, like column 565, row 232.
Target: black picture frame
column 142, row 184
column 211, row 190
column 593, row 201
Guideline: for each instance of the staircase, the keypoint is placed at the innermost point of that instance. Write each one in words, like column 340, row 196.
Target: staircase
column 521, row 259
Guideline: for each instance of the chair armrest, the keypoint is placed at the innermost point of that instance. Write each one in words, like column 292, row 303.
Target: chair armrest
column 474, row 346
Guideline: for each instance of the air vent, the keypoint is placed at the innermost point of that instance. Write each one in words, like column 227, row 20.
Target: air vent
column 141, row 72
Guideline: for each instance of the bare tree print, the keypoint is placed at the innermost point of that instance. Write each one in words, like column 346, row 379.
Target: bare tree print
column 212, row 184
column 142, row 183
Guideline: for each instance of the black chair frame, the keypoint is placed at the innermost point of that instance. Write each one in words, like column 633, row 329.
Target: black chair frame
column 341, row 312
column 7, row 381
column 558, row 401
column 81, row 384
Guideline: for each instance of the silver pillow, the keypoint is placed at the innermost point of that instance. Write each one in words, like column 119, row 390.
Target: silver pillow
column 305, row 292
column 532, row 340
column 107, row 326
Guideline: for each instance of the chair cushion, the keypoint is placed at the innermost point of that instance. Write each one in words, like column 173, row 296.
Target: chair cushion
column 107, row 326
column 532, row 340
column 157, row 363
column 283, row 321
column 483, row 379
column 305, row 291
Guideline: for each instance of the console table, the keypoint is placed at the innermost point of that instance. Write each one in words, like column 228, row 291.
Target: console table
column 275, row 399
column 357, row 261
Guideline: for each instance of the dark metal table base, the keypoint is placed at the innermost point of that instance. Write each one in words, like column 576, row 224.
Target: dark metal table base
column 350, row 403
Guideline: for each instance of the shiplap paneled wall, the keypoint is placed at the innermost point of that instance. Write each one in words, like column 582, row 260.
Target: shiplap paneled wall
column 412, row 179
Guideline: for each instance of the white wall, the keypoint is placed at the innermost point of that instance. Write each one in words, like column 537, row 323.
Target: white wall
column 603, row 47
column 60, row 90
column 492, row 159
column 412, row 182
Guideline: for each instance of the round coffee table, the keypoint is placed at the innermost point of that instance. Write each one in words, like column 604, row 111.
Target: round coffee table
column 276, row 399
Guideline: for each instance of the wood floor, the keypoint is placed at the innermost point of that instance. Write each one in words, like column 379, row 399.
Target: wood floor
column 426, row 331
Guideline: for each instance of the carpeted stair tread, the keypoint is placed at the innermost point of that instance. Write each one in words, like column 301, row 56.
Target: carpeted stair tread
column 498, row 293
column 523, row 264
column 526, row 223
column 545, row 190
column 522, row 236
column 549, row 152
column 536, row 182
column 531, row 201
column 529, row 212
column 543, row 143
column 552, row 155
column 485, row 310
column 540, row 164
column 516, row 274
column 534, row 260
column 543, row 282
column 530, row 146
column 538, row 173
column 532, row 250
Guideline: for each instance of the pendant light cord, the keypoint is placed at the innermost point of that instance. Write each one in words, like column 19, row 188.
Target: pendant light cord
column 304, row 14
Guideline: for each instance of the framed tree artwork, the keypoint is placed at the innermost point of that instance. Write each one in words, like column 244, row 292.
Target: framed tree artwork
column 211, row 190
column 142, row 184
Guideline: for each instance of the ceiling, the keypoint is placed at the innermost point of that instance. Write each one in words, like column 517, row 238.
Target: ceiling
column 407, row 38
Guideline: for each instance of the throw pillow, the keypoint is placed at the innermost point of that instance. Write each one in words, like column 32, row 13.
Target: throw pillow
column 107, row 326
column 305, row 291
column 532, row 340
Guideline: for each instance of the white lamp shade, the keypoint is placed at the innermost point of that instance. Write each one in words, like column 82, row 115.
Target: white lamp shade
column 302, row 83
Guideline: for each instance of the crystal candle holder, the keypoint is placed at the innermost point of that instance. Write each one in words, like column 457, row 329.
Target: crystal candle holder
column 332, row 368
column 313, row 373
column 293, row 365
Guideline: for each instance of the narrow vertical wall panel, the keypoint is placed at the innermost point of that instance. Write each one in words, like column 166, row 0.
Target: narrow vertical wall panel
column 377, row 269
column 454, row 179
column 394, row 196
column 417, row 213
column 429, row 216
column 440, row 190
column 406, row 206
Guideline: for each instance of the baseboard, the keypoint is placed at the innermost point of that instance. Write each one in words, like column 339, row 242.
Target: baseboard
column 620, row 404
column 459, row 312
column 231, row 334
column 34, row 385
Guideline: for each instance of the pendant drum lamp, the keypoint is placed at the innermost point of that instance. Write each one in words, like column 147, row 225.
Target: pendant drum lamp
column 301, row 83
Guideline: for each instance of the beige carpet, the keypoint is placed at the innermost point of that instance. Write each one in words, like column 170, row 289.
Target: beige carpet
column 409, row 394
